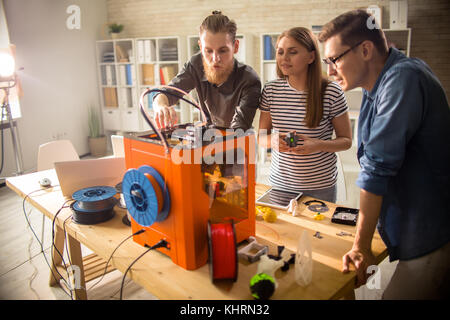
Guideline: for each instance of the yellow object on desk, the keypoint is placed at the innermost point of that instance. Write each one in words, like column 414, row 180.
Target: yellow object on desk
column 318, row 216
column 267, row 213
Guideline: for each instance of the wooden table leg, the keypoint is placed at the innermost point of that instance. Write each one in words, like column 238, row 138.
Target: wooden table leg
column 77, row 267
column 55, row 277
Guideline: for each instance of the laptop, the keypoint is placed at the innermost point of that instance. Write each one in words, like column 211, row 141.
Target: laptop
column 80, row 174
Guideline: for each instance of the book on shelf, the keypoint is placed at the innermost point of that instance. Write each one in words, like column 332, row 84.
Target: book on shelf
column 133, row 97
column 148, row 74
column 110, row 95
column 120, row 54
column 269, row 49
column 122, row 75
column 167, row 73
column 140, row 51
column 161, row 77
column 130, row 75
column 149, row 51
column 150, row 97
column 124, row 97
column 108, row 56
column 110, row 75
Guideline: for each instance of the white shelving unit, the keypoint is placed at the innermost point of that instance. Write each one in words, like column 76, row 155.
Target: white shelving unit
column 267, row 54
column 117, row 83
column 158, row 61
column 127, row 67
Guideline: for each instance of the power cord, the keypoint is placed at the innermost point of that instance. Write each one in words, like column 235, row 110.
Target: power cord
column 40, row 243
column 110, row 257
column 161, row 244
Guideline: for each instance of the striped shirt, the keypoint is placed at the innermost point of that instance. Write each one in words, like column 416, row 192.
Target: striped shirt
column 287, row 107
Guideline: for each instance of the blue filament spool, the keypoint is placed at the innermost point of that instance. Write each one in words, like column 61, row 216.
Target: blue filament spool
column 140, row 196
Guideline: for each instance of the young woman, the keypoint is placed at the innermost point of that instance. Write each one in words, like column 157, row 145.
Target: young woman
column 301, row 100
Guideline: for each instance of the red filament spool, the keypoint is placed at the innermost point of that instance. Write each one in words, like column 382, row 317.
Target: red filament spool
column 223, row 262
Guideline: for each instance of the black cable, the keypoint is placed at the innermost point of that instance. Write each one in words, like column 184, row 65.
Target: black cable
column 162, row 243
column 40, row 243
column 3, row 145
column 110, row 257
column 57, row 250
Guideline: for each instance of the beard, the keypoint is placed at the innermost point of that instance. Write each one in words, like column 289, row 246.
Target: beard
column 217, row 77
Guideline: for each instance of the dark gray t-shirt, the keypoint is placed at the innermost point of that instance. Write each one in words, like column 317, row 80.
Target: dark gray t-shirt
column 232, row 104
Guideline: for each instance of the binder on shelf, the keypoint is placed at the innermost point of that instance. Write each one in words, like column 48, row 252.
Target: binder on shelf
column 268, row 48
column 148, row 74
column 110, row 95
column 124, row 97
column 150, row 96
column 103, row 72
column 109, row 78
column 122, row 75
column 133, row 98
column 129, row 74
column 147, row 51
column 140, row 51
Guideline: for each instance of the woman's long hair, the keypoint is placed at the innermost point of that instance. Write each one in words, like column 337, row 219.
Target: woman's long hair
column 316, row 82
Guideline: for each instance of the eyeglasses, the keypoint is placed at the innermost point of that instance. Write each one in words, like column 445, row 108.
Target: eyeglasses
column 333, row 60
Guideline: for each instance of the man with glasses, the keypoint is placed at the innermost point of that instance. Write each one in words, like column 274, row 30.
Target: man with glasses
column 404, row 154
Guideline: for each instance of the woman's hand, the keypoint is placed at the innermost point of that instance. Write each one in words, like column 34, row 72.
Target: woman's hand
column 306, row 145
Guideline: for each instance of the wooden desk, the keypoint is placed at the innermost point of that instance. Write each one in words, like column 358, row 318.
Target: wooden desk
column 157, row 274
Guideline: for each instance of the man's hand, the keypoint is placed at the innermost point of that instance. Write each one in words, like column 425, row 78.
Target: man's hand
column 165, row 116
column 361, row 259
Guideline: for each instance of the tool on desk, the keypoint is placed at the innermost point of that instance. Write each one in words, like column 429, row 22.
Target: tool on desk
column 318, row 235
column 263, row 283
column 178, row 181
column 93, row 205
column 252, row 251
column 343, row 233
column 316, row 206
column 347, row 216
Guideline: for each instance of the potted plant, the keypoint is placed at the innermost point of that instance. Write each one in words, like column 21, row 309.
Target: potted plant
column 115, row 29
column 97, row 140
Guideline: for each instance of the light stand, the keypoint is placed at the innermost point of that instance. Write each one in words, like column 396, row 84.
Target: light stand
column 10, row 83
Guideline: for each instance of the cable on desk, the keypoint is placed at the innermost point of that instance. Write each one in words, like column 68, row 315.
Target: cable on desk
column 57, row 250
column 161, row 244
column 110, row 257
column 40, row 242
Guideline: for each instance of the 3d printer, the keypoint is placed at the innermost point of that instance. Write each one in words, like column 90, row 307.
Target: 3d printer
column 180, row 179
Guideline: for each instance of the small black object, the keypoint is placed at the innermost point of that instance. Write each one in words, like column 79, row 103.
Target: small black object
column 347, row 216
column 320, row 207
column 264, row 289
column 291, row 139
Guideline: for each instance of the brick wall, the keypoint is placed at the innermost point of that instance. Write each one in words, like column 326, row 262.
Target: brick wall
column 429, row 21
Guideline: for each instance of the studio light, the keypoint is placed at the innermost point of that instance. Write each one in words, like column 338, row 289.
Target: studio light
column 7, row 66
column 8, row 80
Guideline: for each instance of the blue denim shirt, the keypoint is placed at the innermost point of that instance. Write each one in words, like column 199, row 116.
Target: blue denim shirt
column 404, row 154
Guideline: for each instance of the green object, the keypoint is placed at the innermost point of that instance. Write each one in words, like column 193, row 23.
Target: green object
column 262, row 286
column 94, row 122
column 115, row 28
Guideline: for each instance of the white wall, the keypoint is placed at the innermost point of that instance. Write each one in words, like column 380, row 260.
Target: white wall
column 60, row 76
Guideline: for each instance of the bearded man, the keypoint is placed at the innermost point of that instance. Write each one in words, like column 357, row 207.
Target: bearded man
column 228, row 90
